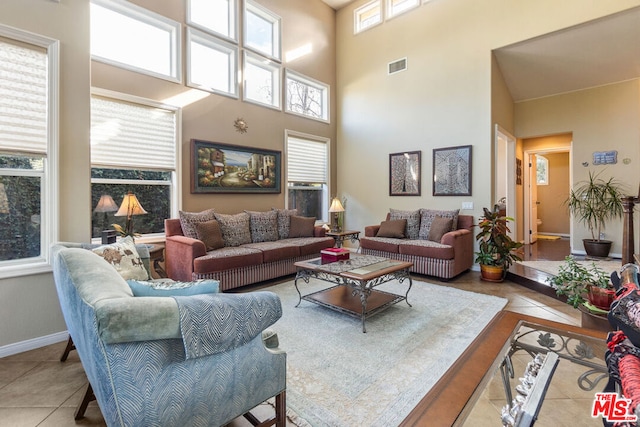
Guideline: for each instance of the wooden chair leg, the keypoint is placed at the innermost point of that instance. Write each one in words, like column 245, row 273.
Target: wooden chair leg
column 70, row 346
column 280, row 419
column 82, row 407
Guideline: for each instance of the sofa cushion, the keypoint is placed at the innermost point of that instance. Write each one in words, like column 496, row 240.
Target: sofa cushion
column 413, row 221
column 188, row 221
column 310, row 245
column 393, row 228
column 168, row 288
column 427, row 216
column 301, row 226
column 284, row 221
column 263, row 226
column 385, row 244
column 210, row 234
column 235, row 228
column 227, row 258
column 439, row 226
column 275, row 251
column 426, row 249
column 124, row 257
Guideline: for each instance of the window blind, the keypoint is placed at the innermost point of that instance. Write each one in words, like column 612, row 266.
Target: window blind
column 23, row 98
column 132, row 135
column 306, row 161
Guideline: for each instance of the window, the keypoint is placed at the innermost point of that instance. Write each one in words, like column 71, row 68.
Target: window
column 28, row 147
column 261, row 30
column 367, row 16
column 307, row 175
column 213, row 64
column 396, row 7
column 306, row 96
column 261, row 81
column 218, row 16
column 134, row 148
column 542, row 170
column 131, row 37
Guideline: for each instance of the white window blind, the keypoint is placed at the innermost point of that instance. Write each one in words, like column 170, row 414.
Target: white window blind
column 132, row 135
column 306, row 161
column 23, row 99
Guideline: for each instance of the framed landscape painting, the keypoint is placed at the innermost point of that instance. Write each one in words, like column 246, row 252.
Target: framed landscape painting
column 404, row 173
column 224, row 168
column 452, row 171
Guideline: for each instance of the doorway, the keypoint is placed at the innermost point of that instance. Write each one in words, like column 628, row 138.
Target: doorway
column 505, row 181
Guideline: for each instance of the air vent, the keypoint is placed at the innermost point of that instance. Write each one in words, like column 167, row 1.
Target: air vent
column 397, row 66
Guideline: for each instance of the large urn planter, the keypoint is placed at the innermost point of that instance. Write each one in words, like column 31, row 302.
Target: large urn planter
column 597, row 248
column 492, row 273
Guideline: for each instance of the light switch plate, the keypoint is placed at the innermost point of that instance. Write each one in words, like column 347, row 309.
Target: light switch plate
column 467, row 205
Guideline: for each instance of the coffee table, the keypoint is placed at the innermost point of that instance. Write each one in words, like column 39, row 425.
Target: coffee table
column 354, row 281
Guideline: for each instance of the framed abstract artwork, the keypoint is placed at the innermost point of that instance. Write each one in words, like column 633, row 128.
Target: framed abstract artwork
column 452, row 171
column 223, row 168
column 404, row 173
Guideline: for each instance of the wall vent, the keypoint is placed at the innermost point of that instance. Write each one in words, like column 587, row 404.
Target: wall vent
column 397, row 66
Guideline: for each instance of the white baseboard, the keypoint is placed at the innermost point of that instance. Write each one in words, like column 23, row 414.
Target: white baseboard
column 32, row 344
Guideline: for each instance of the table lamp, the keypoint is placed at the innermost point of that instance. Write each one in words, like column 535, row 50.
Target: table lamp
column 336, row 208
column 130, row 206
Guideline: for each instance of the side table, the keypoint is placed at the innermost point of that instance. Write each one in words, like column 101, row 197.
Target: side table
column 341, row 236
column 156, row 256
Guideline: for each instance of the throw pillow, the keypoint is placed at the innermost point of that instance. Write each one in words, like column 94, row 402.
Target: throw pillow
column 284, row 221
column 188, row 221
column 301, row 226
column 124, row 257
column 427, row 216
column 439, row 226
column 235, row 229
column 169, row 288
column 413, row 221
column 210, row 234
column 263, row 226
column 393, row 228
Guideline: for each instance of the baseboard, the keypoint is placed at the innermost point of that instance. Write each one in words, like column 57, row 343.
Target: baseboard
column 583, row 253
column 32, row 344
column 554, row 234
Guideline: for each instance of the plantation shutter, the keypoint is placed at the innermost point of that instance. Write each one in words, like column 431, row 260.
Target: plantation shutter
column 127, row 135
column 306, row 161
column 23, row 98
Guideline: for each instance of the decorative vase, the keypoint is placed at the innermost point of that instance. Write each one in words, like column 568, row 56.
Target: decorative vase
column 597, row 248
column 492, row 273
column 601, row 297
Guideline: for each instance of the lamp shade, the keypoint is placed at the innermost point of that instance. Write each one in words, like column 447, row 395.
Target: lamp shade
column 106, row 204
column 336, row 206
column 130, row 206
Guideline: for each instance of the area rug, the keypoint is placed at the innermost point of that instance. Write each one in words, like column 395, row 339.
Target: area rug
column 553, row 267
column 339, row 376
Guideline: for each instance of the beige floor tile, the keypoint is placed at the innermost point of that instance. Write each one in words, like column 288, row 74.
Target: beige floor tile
column 63, row 417
column 23, row 417
column 11, row 370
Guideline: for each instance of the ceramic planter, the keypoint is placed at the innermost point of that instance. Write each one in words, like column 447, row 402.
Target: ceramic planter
column 601, row 297
column 492, row 273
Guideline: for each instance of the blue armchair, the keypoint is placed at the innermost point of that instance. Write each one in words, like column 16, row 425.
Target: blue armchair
column 169, row 361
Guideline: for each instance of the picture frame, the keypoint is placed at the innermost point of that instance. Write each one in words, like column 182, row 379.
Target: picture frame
column 405, row 173
column 225, row 168
column 452, row 171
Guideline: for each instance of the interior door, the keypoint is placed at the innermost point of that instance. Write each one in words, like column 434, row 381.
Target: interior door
column 533, row 199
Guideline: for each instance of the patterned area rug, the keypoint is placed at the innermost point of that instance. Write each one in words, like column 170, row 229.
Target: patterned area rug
column 338, row 376
column 552, row 267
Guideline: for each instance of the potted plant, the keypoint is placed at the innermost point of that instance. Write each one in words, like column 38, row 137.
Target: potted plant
column 580, row 283
column 594, row 202
column 495, row 248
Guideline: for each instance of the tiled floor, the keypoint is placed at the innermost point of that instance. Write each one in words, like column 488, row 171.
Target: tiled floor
column 36, row 389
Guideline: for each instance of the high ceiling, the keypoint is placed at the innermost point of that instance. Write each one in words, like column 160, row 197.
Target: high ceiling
column 593, row 54
column 337, row 4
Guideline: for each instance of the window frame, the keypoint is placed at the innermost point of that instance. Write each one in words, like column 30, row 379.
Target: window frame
column 276, row 77
column 209, row 41
column 327, row 190
column 313, row 83
column 542, row 159
column 49, row 229
column 145, row 16
column 176, row 174
column 357, row 22
column 389, row 8
column 232, row 19
column 254, row 8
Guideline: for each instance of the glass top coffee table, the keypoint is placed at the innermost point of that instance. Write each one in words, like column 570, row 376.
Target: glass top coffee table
column 353, row 282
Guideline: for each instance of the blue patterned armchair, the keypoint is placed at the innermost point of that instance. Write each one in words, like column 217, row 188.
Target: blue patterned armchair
column 169, row 361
